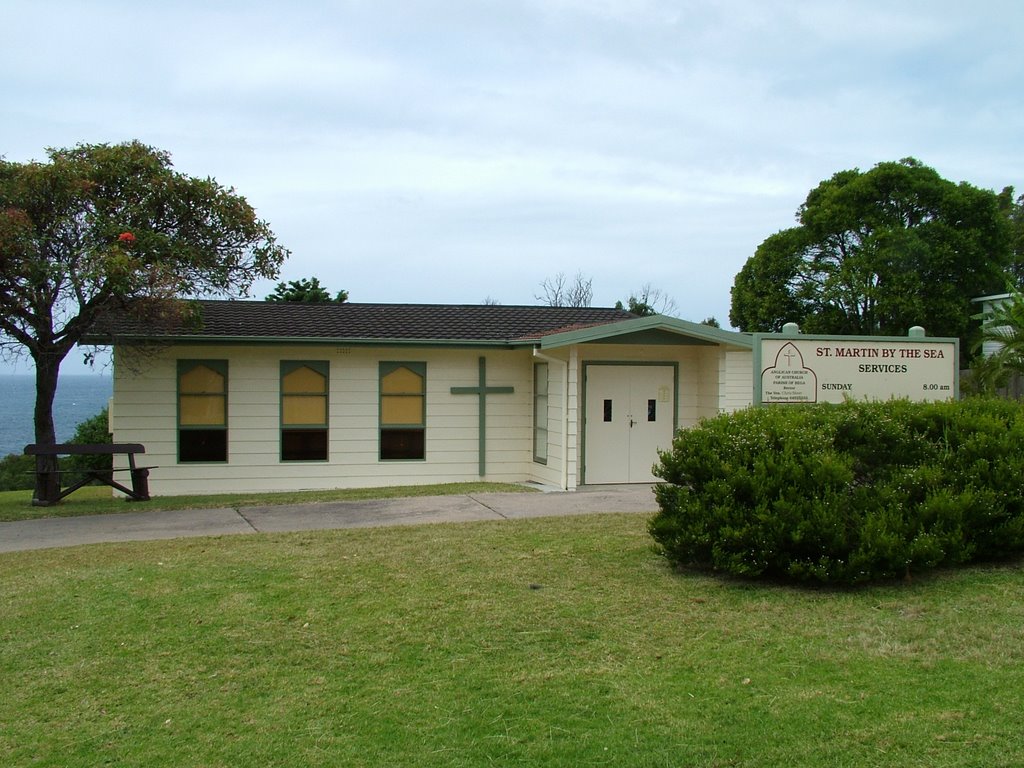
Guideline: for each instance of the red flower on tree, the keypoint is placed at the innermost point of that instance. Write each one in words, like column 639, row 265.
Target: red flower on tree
column 126, row 237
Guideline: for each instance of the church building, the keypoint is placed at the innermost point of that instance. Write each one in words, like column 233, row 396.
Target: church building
column 267, row 396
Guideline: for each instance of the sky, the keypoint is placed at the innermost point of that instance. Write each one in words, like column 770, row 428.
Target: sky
column 457, row 152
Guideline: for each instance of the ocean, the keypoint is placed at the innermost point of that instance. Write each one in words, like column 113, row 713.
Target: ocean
column 78, row 398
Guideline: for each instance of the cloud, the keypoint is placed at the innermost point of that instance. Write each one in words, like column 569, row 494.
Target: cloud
column 449, row 151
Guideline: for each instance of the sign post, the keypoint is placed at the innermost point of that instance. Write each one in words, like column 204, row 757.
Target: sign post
column 792, row 367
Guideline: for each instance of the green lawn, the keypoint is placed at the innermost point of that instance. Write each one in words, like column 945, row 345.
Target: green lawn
column 546, row 642
column 97, row 499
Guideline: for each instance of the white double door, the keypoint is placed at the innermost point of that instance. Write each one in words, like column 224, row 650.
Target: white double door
column 630, row 416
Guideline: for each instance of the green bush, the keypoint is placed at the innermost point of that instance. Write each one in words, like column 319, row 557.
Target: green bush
column 845, row 494
column 91, row 431
column 16, row 472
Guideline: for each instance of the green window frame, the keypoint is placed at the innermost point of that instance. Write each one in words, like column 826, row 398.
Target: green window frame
column 402, row 411
column 540, row 413
column 305, row 402
column 202, row 411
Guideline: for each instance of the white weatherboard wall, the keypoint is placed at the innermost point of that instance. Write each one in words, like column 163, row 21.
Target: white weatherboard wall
column 706, row 375
column 552, row 472
column 145, row 411
column 710, row 379
column 696, row 396
column 736, row 379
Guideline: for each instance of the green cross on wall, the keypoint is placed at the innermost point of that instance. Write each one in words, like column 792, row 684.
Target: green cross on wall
column 482, row 391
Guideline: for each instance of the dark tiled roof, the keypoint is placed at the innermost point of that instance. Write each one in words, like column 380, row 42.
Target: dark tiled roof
column 255, row 320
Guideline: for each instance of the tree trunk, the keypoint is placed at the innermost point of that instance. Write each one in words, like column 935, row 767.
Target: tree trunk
column 47, row 480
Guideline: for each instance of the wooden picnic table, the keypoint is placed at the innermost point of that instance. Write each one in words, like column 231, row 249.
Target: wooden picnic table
column 48, row 487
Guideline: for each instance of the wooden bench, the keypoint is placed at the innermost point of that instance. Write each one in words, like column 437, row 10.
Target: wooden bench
column 48, row 486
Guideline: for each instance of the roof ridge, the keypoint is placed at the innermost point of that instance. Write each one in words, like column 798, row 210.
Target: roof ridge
column 484, row 307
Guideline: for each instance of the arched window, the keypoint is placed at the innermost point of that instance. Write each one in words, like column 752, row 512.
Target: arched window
column 403, row 417
column 304, row 400
column 202, row 410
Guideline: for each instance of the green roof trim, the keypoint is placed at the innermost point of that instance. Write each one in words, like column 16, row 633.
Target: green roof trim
column 654, row 329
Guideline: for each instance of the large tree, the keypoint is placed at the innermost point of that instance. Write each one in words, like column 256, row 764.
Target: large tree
column 876, row 253
column 306, row 291
column 1013, row 209
column 557, row 291
column 105, row 227
column 649, row 301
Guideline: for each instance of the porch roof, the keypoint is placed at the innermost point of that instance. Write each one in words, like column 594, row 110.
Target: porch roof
column 654, row 330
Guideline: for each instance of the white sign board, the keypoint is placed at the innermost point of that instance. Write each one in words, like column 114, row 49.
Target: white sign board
column 799, row 368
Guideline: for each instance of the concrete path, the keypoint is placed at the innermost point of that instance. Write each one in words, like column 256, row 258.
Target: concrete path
column 144, row 526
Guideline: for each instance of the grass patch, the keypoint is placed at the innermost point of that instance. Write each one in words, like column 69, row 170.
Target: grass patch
column 553, row 642
column 97, row 500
